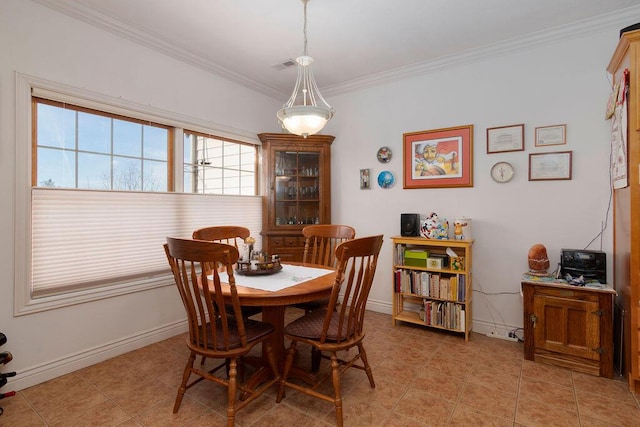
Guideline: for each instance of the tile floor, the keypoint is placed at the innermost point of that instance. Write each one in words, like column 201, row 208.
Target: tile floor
column 423, row 378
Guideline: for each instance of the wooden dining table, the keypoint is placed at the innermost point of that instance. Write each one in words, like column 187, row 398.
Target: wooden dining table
column 273, row 305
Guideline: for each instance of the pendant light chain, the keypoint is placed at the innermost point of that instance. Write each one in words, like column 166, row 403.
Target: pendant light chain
column 304, row 28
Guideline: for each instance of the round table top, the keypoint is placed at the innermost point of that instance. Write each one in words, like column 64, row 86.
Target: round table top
column 310, row 290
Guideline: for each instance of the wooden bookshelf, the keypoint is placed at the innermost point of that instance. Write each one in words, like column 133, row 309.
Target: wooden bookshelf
column 430, row 288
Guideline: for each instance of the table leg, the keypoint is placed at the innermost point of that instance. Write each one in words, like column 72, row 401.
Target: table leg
column 275, row 316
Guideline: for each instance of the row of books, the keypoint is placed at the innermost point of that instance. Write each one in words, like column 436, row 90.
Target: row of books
column 432, row 285
column 445, row 314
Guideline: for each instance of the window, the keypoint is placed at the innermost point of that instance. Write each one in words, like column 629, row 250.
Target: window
column 217, row 166
column 81, row 148
column 99, row 188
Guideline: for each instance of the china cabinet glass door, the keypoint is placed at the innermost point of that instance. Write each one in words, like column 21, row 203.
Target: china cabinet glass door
column 297, row 183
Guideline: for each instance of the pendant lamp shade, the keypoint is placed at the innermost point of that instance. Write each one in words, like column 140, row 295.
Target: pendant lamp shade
column 306, row 112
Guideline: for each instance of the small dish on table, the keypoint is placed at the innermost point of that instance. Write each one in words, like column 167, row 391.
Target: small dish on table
column 246, row 268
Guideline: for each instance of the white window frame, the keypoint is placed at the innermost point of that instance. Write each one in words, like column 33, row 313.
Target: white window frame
column 26, row 86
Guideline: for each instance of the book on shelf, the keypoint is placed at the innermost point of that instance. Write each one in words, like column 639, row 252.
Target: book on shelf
column 399, row 254
column 461, row 287
column 453, row 288
column 424, row 283
column 434, row 286
column 444, row 288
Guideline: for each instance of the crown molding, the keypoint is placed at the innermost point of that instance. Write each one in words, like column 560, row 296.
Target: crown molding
column 78, row 10
column 605, row 22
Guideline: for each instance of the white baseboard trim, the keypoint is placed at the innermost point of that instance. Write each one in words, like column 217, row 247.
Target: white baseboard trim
column 379, row 306
column 38, row 374
column 479, row 326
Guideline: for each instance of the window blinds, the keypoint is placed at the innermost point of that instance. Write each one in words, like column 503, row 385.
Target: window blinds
column 83, row 239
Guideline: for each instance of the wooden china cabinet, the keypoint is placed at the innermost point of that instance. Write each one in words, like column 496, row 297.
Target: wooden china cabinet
column 296, row 190
column 626, row 209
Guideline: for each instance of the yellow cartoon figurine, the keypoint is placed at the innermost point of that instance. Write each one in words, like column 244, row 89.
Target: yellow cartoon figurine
column 457, row 263
column 457, row 231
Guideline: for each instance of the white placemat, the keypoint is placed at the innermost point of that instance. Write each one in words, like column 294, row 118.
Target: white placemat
column 290, row 275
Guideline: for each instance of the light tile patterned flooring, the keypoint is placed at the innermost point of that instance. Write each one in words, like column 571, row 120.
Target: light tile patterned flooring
column 423, row 378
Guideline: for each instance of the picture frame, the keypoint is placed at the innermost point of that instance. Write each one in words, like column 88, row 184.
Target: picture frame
column 365, row 179
column 551, row 135
column 503, row 139
column 550, row 166
column 438, row 158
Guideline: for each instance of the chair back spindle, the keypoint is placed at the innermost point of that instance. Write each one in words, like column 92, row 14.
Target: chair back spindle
column 321, row 241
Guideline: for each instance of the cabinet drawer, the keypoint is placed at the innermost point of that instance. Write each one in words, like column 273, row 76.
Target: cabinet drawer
column 577, row 294
column 285, row 241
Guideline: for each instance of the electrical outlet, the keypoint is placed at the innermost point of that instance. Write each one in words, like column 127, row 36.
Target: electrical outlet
column 503, row 336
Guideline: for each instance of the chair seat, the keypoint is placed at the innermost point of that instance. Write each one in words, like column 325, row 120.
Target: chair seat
column 310, row 326
column 254, row 329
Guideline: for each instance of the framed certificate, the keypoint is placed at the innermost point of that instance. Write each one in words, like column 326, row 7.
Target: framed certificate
column 550, row 166
column 505, row 138
column 551, row 135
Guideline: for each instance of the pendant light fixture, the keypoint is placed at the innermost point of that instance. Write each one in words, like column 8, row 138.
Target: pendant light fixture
column 306, row 112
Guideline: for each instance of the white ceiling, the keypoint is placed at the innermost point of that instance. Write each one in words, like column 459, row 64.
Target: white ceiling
column 354, row 42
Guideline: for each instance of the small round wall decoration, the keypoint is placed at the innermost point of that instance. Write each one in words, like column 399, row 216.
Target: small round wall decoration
column 386, row 179
column 502, row 172
column 384, row 155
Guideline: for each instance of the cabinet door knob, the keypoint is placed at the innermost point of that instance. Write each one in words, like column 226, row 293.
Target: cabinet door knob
column 534, row 319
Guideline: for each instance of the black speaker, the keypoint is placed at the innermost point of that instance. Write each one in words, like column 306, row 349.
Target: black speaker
column 410, row 224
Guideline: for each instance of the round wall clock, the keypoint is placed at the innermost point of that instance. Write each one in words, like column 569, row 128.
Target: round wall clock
column 386, row 179
column 502, row 172
column 384, row 155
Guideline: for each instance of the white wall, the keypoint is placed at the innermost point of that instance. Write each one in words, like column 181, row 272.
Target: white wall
column 37, row 41
column 564, row 82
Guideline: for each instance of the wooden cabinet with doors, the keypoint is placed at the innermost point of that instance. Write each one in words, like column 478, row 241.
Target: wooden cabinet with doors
column 569, row 326
column 626, row 209
column 296, row 190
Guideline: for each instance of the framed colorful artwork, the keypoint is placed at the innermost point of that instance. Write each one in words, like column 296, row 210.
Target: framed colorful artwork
column 438, row 158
